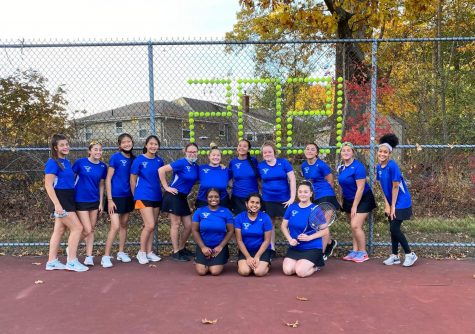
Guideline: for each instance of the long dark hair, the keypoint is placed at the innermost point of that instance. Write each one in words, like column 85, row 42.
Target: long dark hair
column 144, row 150
column 248, row 158
column 119, row 141
column 54, row 146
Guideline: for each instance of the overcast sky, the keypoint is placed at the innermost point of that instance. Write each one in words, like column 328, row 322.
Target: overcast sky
column 116, row 19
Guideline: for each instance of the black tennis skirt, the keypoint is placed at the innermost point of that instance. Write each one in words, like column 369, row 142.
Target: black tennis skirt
column 264, row 257
column 274, row 209
column 367, row 203
column 122, row 204
column 65, row 198
column 221, row 259
column 313, row 255
column 176, row 204
column 403, row 214
column 87, row 206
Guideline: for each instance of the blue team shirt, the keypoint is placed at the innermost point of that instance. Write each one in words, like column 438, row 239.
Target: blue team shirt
column 148, row 184
column 88, row 179
column 316, row 174
column 253, row 231
column 213, row 177
column 347, row 177
column 64, row 177
column 275, row 184
column 386, row 176
column 185, row 174
column 212, row 224
column 120, row 181
column 298, row 220
column 243, row 176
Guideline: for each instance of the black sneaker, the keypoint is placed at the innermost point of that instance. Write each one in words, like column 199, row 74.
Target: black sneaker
column 330, row 248
column 185, row 251
column 178, row 256
column 273, row 254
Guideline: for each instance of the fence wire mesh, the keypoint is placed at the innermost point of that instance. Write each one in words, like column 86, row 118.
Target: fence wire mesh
column 214, row 91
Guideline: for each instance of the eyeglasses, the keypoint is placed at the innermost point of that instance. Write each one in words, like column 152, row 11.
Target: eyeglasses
column 191, row 152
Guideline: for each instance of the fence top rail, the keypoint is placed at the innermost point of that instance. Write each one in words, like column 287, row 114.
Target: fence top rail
column 56, row 44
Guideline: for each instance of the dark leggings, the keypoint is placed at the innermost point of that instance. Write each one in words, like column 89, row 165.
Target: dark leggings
column 397, row 237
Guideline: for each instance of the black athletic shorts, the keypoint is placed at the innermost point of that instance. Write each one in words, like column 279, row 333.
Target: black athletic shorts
column 313, row 255
column 367, row 203
column 221, row 259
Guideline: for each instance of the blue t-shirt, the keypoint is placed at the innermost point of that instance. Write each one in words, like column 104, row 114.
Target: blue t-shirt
column 386, row 176
column 64, row 176
column 212, row 224
column 185, row 174
column 120, row 181
column 316, row 174
column 243, row 176
column 213, row 177
column 347, row 177
column 148, row 184
column 298, row 220
column 253, row 231
column 275, row 184
column 88, row 179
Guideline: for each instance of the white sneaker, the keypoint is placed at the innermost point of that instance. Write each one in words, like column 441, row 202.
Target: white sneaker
column 142, row 257
column 106, row 261
column 77, row 266
column 409, row 259
column 89, row 261
column 123, row 257
column 153, row 257
column 55, row 265
column 392, row 259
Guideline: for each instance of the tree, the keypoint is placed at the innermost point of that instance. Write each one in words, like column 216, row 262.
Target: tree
column 29, row 112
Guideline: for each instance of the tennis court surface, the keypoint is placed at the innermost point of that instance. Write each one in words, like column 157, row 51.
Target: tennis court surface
column 435, row 296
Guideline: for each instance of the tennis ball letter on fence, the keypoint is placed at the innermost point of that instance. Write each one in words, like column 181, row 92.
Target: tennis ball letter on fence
column 283, row 122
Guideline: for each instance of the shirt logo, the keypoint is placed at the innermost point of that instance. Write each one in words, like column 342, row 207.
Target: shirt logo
column 188, row 168
column 306, row 169
column 246, row 225
column 294, row 213
column 380, row 173
column 205, row 215
column 87, row 168
column 265, row 170
column 62, row 164
column 238, row 165
column 144, row 164
column 206, row 170
column 124, row 162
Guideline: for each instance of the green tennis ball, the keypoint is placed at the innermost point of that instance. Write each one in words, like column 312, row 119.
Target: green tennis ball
column 306, row 79
column 339, row 112
column 240, row 133
column 240, row 120
column 338, row 144
column 305, row 112
column 258, row 152
column 278, row 87
column 300, row 79
column 339, row 99
column 278, row 107
column 252, row 152
column 239, row 81
column 239, row 94
column 228, row 101
column 191, row 127
column 213, row 114
column 191, row 120
column 339, row 93
column 328, row 106
column 218, row 114
column 300, row 151
column 278, row 139
column 289, row 119
column 278, row 126
column 339, row 132
column 300, row 113
column 228, row 87
column 339, row 105
column 267, row 80
column 228, row 94
column 311, row 112
column 190, row 81
column 295, row 151
column 229, row 114
column 340, row 79
column 289, row 80
column 278, row 133
column 289, row 126
column 339, row 126
column 327, row 151
column 338, row 139
column 339, row 86
column 328, row 112
column 240, row 114
column 338, row 151
column 295, row 80
column 339, row 119
column 329, row 99
column 278, row 114
column 328, row 92
column 279, row 152
column 240, row 126
column 192, row 140
column 278, row 101
column 279, row 93
column 190, row 114
column 240, row 107
column 289, row 139
column 290, row 113
column 207, row 114
column 289, row 133
column 289, row 145
column 278, row 120
column 192, row 133
column 278, row 145
column 239, row 87
column 202, row 114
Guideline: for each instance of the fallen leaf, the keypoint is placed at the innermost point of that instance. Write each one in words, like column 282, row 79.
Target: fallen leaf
column 209, row 322
column 39, row 282
column 37, row 263
column 473, row 276
column 152, row 266
column 303, row 299
column 292, row 324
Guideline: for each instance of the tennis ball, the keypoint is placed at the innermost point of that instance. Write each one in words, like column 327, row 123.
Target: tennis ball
column 239, row 114
column 240, row 107
column 338, row 139
column 289, row 145
column 202, row 114
column 328, row 92
column 240, row 126
column 339, row 86
column 328, row 112
column 329, row 99
column 252, row 152
column 278, row 120
column 339, row 119
column 191, row 127
column 228, row 87
column 340, row 79
column 278, row 133
column 267, row 80
column 300, row 113
column 289, row 126
column 338, row 144
column 278, row 87
column 278, row 100
column 190, row 81
column 190, row 114
column 229, row 114
column 240, row 133
column 339, row 126
column 306, row 79
column 339, row 112
column 207, row 114
column 239, row 81
column 289, row 133
column 278, row 126
column 278, row 114
column 289, row 80
column 218, row 114
column 305, row 112
column 327, row 151
column 278, row 106
column 339, row 105
column 289, row 139
column 339, row 99
column 338, row 151
column 191, row 120
column 239, row 94
column 339, row 132
column 295, row 151
column 289, row 119
column 328, row 106
column 300, row 151
column 192, row 140
column 258, row 151
column 278, row 145
column 240, row 120
column 279, row 93
column 192, row 133
column 339, row 93
column 278, row 139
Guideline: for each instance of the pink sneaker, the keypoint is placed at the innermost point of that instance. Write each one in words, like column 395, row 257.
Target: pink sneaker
column 350, row 255
column 360, row 257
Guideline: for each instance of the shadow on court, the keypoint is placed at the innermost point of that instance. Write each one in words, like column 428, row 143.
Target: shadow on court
column 432, row 297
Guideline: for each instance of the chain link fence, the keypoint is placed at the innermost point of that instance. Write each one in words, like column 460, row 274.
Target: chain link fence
column 218, row 91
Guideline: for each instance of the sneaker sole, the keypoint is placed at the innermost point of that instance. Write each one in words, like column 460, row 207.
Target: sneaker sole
column 390, row 264
column 50, row 269
column 347, row 259
column 77, row 270
column 360, row 261
column 160, row 259
column 103, row 266
column 124, row 261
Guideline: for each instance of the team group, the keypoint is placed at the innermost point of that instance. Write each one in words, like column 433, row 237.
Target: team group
column 80, row 191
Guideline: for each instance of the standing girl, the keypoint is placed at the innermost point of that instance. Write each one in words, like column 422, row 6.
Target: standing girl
column 320, row 175
column 304, row 255
column 59, row 185
column 278, row 184
column 175, row 200
column 212, row 229
column 253, row 230
column 120, row 201
column 358, row 199
column 89, row 193
column 244, row 175
column 147, row 192
column 397, row 199
column 213, row 175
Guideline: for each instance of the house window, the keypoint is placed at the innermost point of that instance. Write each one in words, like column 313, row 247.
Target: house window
column 143, row 130
column 89, row 133
column 251, row 136
column 118, row 128
column 185, row 134
column 222, row 130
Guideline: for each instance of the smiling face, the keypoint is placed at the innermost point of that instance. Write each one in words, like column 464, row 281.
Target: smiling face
column 304, row 193
column 383, row 154
column 95, row 151
column 213, row 198
column 268, row 153
column 214, row 157
column 253, row 204
column 191, row 153
column 311, row 152
column 242, row 148
column 346, row 153
column 62, row 147
column 126, row 144
column 152, row 146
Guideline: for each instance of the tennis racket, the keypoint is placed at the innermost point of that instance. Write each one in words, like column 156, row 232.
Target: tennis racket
column 321, row 216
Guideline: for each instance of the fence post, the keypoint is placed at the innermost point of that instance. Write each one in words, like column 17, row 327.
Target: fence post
column 372, row 124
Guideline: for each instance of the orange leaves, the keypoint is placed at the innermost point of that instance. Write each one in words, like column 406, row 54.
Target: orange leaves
column 294, row 324
column 205, row 321
column 302, row 299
